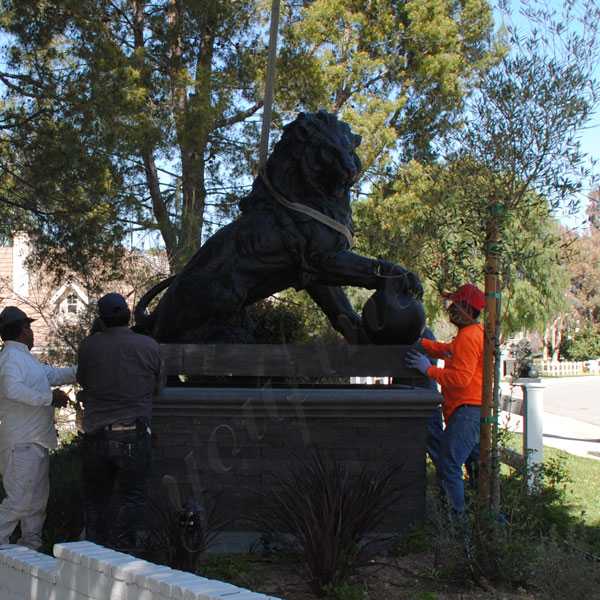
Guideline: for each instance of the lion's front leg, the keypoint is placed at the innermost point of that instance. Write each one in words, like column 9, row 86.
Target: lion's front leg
column 349, row 268
column 335, row 304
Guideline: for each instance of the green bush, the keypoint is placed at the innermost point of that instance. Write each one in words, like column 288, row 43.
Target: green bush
column 64, row 520
column 275, row 322
column 345, row 591
column 510, row 549
column 582, row 345
column 561, row 572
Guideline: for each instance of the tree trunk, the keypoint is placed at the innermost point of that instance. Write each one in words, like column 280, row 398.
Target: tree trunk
column 495, row 454
column 159, row 208
column 557, row 338
column 192, row 135
column 492, row 253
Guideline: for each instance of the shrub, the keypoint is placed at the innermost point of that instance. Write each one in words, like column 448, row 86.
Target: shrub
column 582, row 345
column 561, row 572
column 329, row 515
column 543, row 509
column 237, row 569
column 508, row 548
column 345, row 591
column 64, row 520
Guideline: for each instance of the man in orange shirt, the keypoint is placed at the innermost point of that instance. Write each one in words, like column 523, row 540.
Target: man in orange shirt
column 461, row 380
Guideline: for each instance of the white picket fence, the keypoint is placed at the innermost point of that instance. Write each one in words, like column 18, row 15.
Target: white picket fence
column 563, row 368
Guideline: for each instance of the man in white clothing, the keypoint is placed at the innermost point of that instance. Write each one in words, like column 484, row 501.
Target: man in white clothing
column 27, row 430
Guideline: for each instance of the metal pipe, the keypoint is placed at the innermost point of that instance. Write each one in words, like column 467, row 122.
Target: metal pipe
column 269, row 85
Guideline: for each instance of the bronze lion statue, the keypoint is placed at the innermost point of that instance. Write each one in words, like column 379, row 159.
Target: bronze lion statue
column 294, row 230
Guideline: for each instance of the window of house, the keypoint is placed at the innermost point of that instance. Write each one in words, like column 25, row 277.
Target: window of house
column 72, row 304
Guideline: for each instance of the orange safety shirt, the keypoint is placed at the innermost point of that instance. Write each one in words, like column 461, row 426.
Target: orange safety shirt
column 462, row 376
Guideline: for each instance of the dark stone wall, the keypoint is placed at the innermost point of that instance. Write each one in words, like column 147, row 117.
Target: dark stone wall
column 228, row 443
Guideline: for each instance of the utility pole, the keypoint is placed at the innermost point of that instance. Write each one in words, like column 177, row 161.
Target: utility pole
column 269, row 84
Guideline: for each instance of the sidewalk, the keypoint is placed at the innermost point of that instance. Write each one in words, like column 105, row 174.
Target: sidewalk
column 570, row 435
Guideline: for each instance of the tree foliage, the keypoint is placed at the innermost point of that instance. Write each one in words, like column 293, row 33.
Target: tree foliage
column 581, row 344
column 515, row 159
column 584, row 267
column 128, row 115
column 430, row 224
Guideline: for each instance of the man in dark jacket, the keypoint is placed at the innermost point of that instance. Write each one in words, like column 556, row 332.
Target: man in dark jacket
column 119, row 371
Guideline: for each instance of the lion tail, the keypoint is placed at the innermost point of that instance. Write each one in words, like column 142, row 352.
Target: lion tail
column 143, row 320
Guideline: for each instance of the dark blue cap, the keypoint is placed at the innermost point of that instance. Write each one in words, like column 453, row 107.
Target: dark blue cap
column 112, row 305
column 12, row 314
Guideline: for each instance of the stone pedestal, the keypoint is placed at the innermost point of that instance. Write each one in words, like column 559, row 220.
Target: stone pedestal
column 229, row 442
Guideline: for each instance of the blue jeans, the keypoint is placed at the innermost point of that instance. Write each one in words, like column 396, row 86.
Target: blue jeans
column 452, row 447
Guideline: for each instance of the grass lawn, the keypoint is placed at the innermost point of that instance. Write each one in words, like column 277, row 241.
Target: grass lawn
column 583, row 489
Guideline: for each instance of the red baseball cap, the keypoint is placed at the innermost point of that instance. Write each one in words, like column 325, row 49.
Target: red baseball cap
column 469, row 294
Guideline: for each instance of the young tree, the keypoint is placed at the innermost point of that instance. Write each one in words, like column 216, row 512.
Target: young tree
column 519, row 151
column 480, row 211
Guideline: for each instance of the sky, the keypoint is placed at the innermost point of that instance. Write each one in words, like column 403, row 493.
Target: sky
column 590, row 142
column 590, row 136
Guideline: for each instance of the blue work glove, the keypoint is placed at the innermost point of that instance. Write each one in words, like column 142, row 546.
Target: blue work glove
column 416, row 360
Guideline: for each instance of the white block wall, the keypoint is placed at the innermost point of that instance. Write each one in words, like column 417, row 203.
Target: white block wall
column 86, row 571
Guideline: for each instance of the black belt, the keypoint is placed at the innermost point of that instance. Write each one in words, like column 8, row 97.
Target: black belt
column 121, row 427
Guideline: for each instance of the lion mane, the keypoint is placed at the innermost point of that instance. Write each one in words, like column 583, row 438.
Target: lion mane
column 314, row 163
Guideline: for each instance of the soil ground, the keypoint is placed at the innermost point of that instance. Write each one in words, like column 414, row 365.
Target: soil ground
column 386, row 578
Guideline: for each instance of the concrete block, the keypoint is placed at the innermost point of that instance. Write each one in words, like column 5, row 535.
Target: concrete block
column 27, row 560
column 180, row 588
column 13, row 554
column 135, row 577
column 152, row 582
column 6, row 551
column 104, row 587
column 211, row 589
column 177, row 580
column 137, row 593
column 145, row 578
column 72, row 550
column 40, row 589
column 73, row 576
column 94, row 558
column 62, row 593
column 17, row 582
column 44, row 567
column 108, row 564
column 50, row 575
column 128, row 571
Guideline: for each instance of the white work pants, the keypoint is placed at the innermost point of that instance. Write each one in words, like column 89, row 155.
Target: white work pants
column 24, row 469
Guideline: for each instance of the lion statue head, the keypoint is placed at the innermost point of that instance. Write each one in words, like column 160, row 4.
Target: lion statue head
column 314, row 163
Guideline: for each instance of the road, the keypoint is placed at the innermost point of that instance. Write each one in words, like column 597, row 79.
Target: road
column 571, row 415
column 573, row 397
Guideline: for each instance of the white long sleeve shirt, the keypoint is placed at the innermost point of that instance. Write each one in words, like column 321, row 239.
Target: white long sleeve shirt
column 26, row 414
